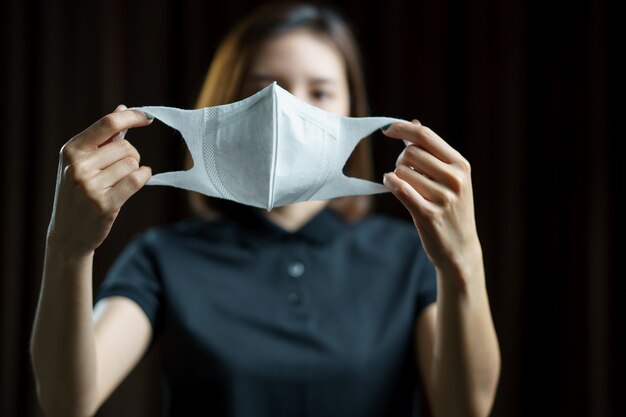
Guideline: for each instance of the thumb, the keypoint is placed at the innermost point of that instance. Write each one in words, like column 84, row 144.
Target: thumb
column 122, row 134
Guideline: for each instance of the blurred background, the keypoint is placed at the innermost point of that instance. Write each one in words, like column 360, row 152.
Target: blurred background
column 525, row 90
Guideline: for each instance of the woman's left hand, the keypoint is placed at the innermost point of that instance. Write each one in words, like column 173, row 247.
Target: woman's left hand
column 433, row 181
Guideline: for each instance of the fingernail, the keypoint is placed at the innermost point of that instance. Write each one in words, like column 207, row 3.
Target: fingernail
column 416, row 121
column 148, row 115
column 385, row 127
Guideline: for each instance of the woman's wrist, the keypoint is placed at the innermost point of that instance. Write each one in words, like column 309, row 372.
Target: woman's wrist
column 464, row 273
column 60, row 253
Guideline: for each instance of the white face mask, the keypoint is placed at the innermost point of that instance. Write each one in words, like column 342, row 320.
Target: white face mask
column 268, row 150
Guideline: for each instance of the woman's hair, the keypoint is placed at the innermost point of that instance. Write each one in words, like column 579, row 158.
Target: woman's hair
column 224, row 83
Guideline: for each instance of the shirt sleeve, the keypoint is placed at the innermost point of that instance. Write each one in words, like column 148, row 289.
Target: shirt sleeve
column 134, row 275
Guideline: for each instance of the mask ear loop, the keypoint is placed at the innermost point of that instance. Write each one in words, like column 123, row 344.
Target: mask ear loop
column 352, row 131
column 189, row 123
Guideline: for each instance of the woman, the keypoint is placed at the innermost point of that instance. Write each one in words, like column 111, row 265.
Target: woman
column 315, row 308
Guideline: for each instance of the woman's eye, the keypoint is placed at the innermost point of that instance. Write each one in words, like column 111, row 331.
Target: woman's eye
column 321, row 95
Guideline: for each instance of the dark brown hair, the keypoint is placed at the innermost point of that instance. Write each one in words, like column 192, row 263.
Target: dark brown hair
column 228, row 70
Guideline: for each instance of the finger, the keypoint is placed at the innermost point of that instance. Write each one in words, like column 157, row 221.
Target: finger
column 119, row 136
column 425, row 163
column 111, row 124
column 425, row 138
column 113, row 174
column 122, row 134
column 415, row 122
column 107, row 155
column 128, row 186
column 408, row 196
column 426, row 187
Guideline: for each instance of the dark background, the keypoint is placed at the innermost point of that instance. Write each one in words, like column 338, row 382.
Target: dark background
column 525, row 90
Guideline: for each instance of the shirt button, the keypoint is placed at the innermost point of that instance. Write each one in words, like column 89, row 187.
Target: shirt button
column 293, row 298
column 295, row 269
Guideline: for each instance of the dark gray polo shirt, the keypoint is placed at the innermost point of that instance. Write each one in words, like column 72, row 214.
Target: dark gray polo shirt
column 257, row 321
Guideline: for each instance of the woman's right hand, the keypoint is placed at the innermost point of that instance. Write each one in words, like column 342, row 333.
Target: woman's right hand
column 98, row 171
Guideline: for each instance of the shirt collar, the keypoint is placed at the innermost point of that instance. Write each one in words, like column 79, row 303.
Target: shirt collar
column 321, row 228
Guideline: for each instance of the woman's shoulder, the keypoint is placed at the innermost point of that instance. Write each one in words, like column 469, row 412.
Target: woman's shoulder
column 383, row 220
column 381, row 236
column 384, row 227
column 180, row 230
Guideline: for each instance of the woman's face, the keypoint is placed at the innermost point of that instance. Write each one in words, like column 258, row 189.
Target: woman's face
column 305, row 64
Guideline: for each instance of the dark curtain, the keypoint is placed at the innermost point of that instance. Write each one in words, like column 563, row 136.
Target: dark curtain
column 525, row 90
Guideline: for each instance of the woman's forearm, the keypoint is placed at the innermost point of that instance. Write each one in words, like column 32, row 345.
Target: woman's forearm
column 62, row 340
column 466, row 365
column 98, row 172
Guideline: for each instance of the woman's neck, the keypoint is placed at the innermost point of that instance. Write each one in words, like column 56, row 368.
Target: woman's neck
column 293, row 216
